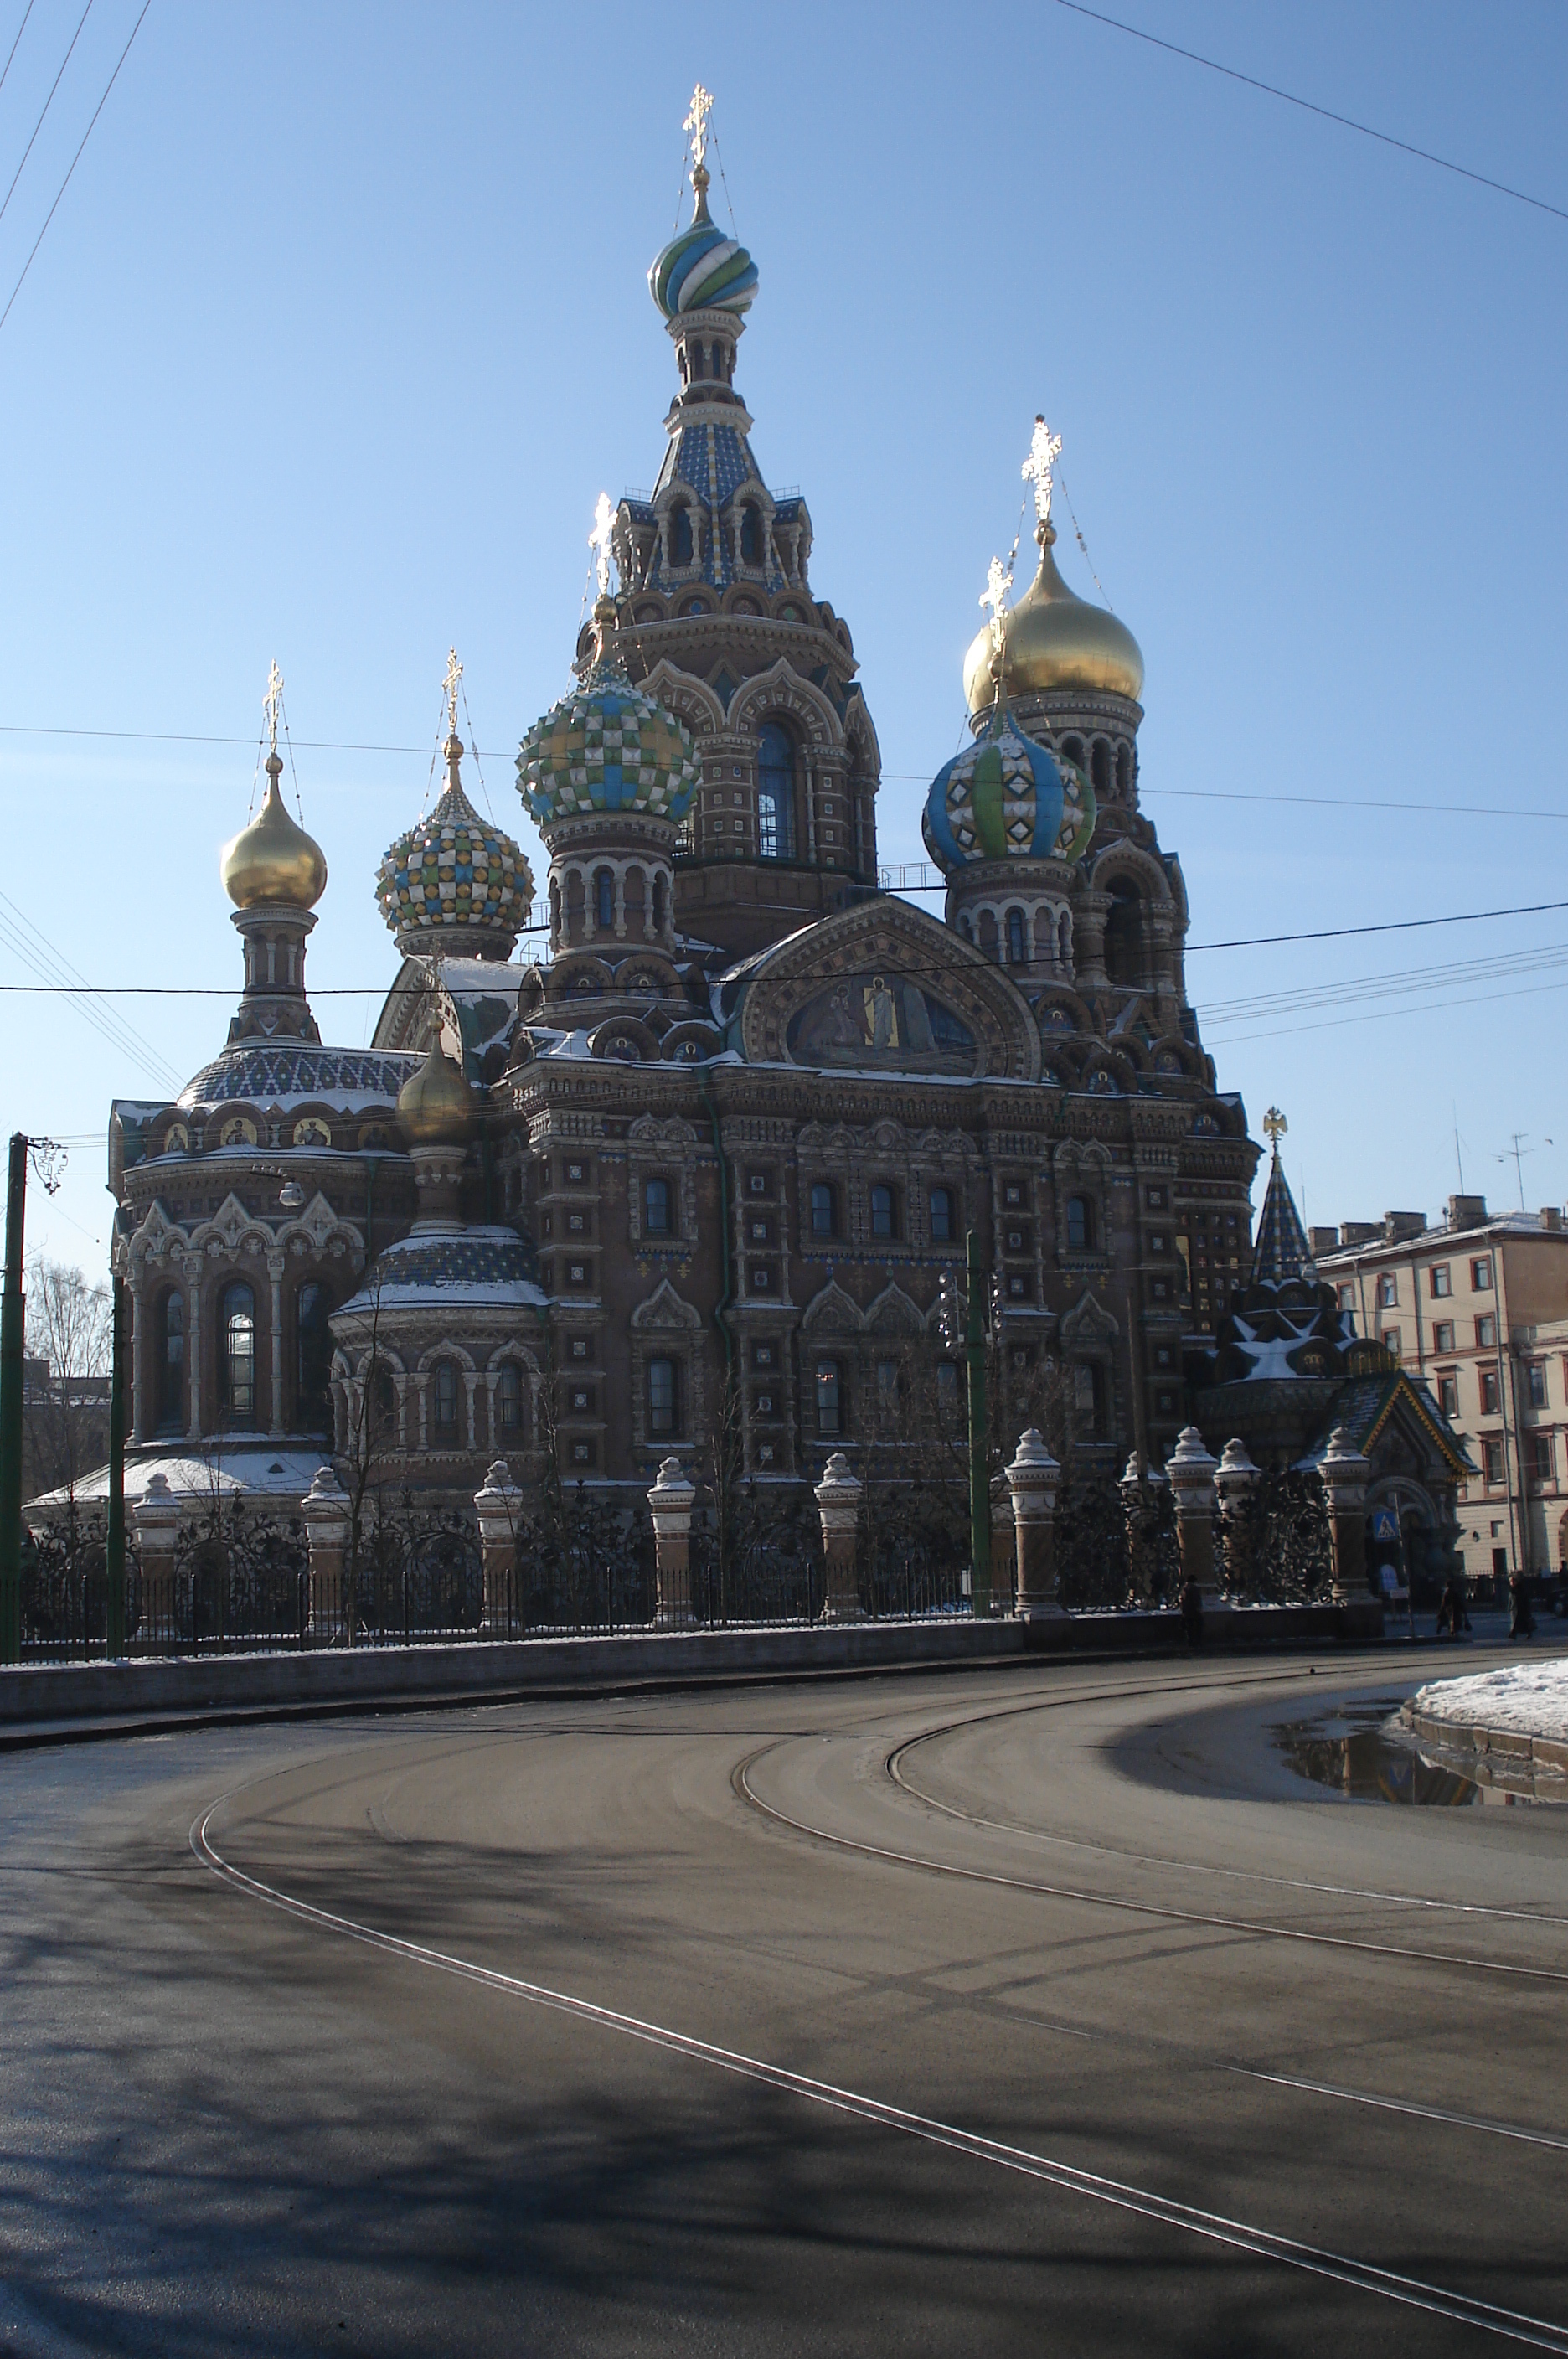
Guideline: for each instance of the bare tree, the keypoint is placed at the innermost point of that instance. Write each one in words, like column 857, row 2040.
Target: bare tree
column 69, row 1331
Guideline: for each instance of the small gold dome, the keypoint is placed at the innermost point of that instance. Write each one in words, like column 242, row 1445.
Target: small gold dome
column 273, row 859
column 1056, row 639
column 435, row 1106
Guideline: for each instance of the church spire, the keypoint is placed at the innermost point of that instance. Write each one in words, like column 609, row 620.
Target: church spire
column 1281, row 1250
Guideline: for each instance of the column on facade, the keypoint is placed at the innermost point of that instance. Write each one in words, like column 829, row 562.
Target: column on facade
column 497, row 1505
column 156, row 1521
column 1160, row 924
column 276, row 1260
column 1090, row 911
column 1033, row 1479
column 140, row 1342
column 838, row 1504
column 325, row 1513
column 1345, row 1474
column 191, row 1288
column 670, row 1501
column 1189, row 1470
column 1239, row 1484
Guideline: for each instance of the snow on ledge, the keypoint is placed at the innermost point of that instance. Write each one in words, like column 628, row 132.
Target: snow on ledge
column 1527, row 1700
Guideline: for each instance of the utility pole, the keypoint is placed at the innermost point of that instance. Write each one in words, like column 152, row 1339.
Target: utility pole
column 964, row 1330
column 115, row 1543
column 12, row 1330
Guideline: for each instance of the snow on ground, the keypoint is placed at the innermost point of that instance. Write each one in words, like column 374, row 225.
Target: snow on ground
column 1527, row 1698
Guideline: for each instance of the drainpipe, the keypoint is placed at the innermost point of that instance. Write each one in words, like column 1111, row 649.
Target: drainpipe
column 1519, row 1519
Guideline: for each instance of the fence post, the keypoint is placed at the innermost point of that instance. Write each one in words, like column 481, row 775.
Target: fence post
column 1034, row 1478
column 838, row 1504
column 1189, row 1470
column 497, row 1508
column 1345, row 1474
column 1237, row 1480
column 669, row 1502
column 324, row 1511
column 157, row 1518
column 1140, row 1516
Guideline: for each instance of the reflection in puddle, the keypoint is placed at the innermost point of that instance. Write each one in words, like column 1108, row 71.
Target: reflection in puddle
column 1362, row 1751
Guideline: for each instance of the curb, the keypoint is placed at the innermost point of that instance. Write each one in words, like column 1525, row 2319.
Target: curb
column 1510, row 1744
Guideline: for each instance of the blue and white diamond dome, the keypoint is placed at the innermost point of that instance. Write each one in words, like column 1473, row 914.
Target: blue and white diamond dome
column 607, row 747
column 1007, row 798
column 701, row 269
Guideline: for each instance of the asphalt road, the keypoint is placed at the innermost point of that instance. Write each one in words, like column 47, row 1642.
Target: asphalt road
column 1042, row 2010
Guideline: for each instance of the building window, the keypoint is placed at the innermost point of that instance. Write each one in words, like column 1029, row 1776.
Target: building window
column 312, row 1358
column 775, row 794
column 576, row 1174
column 443, row 1405
column 605, row 901
column 1088, row 1400
column 1485, row 1334
column 656, row 1208
column 1442, row 1335
column 762, row 1355
column 1346, row 1299
column 1389, row 1339
column 582, row 1400
column 1448, row 1394
column 509, row 1402
column 761, row 1278
column 942, row 1219
column 830, row 1400
column 1481, row 1275
column 680, row 536
column 1388, row 1290
column 1155, row 1199
column 1535, row 1377
column 1488, row 1392
column 1493, row 1453
column 578, row 1347
column 758, row 1182
column 750, row 534
column 824, row 1219
column 1540, row 1457
column 171, row 1377
column 884, row 1221
column 236, row 1358
column 1080, row 1224
column 887, row 1385
column 1438, row 1277
column 1016, row 953
column 663, row 1400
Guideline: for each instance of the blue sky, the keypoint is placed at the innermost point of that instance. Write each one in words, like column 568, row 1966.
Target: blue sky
column 342, row 325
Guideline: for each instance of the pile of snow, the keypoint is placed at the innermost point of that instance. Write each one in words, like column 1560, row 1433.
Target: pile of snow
column 1527, row 1700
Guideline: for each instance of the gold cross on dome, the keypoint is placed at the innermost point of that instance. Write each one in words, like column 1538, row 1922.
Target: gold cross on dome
column 599, row 542
column 1274, row 1127
column 1045, row 449
column 449, row 690
column 696, row 122
column 272, row 705
column 994, row 598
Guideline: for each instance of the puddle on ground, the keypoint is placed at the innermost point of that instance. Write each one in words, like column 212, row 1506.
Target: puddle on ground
column 1362, row 1751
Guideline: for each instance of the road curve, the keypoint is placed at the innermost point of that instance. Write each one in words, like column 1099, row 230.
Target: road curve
column 995, row 2012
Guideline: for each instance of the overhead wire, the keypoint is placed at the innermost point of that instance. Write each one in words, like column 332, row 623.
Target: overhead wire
column 61, row 979
column 76, row 159
column 15, row 45
column 45, row 108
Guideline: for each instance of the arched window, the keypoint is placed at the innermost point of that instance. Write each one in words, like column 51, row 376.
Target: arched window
column 1017, row 949
column 443, row 1405
column 942, row 1220
column 1074, row 749
column 236, row 1351
column 884, row 1212
column 605, row 901
column 825, row 1213
column 830, row 1400
column 312, row 1359
column 170, row 1375
column 1124, row 938
column 965, row 928
column 681, row 552
column 1089, row 1400
column 1100, row 766
column 1124, row 768
column 699, row 362
column 509, row 1402
column 775, row 794
column 750, row 536
column 656, row 1208
column 384, row 1407
column 1080, row 1224
column 663, row 1400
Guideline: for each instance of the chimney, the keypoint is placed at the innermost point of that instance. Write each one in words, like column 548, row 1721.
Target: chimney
column 1397, row 1226
column 1550, row 1217
column 1359, row 1233
column 1323, row 1240
column 1467, row 1211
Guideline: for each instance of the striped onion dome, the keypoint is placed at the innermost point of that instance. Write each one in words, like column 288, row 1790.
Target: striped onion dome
column 607, row 747
column 453, row 880
column 701, row 269
column 1007, row 798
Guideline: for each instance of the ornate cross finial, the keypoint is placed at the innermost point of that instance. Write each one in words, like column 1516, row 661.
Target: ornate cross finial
column 994, row 598
column 1274, row 1127
column 1045, row 449
column 272, row 705
column 599, row 540
column 449, row 690
column 696, row 123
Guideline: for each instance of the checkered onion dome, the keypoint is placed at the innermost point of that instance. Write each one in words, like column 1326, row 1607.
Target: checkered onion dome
column 607, row 747
column 1005, row 797
column 453, row 868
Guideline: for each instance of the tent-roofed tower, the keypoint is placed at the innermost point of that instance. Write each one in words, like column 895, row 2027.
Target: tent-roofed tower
column 1281, row 1250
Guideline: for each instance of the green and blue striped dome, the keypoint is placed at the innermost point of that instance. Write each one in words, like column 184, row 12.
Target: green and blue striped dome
column 703, row 270
column 1005, row 797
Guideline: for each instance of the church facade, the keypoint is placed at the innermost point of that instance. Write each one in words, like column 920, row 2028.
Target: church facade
column 707, row 1156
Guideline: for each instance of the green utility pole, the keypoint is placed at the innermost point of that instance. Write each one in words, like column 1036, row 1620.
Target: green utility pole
column 12, row 1330
column 114, row 1549
column 979, row 1432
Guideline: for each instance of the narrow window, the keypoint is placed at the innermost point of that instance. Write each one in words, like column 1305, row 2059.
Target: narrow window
column 171, row 1364
column 1080, row 1224
column 1448, row 1395
column 884, row 1224
column 1494, row 1451
column 1540, row 1457
column 443, row 1414
column 662, row 1423
column 236, row 1369
column 1388, row 1290
column 509, row 1402
column 312, row 1358
column 830, row 1400
column 1088, row 1398
column 823, row 1222
column 604, row 890
column 775, row 794
column 1488, row 1392
column 1485, row 1334
column 1439, row 1281
column 1536, row 1373
column 680, row 536
column 1015, row 951
column 941, row 1217
column 1442, row 1335
column 750, row 537
column 656, row 1207
column 659, row 905
column 1481, row 1275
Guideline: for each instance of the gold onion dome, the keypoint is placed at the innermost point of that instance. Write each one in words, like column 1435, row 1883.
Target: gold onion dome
column 1055, row 639
column 453, row 870
column 435, row 1106
column 273, row 859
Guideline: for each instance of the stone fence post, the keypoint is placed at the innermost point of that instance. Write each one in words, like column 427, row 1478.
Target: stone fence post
column 1034, row 1478
column 1345, row 1474
column 838, row 1504
column 1239, row 1482
column 670, row 1501
column 1140, row 1516
column 496, row 1508
column 325, row 1513
column 1189, row 1470
column 155, row 1516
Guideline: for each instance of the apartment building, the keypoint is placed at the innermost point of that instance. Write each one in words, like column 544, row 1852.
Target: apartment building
column 1479, row 1306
